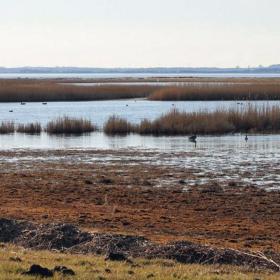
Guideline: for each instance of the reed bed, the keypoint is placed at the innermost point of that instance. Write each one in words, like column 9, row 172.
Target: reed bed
column 7, row 127
column 67, row 125
column 217, row 92
column 248, row 120
column 32, row 90
column 116, row 125
column 44, row 91
column 31, row 128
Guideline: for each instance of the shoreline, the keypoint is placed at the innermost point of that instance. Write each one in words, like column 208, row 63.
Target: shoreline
column 115, row 191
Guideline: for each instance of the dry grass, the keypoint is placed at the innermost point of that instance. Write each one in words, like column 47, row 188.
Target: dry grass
column 32, row 128
column 249, row 119
column 14, row 261
column 52, row 90
column 7, row 127
column 67, row 125
column 234, row 91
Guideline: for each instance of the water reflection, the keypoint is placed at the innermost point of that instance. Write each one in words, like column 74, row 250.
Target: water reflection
column 98, row 140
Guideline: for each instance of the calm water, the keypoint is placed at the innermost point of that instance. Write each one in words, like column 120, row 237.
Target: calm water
column 136, row 75
column 214, row 160
column 99, row 111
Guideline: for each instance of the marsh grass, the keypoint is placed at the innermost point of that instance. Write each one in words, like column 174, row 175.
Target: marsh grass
column 31, row 128
column 45, row 90
column 250, row 119
column 67, row 125
column 116, row 125
column 7, row 127
column 92, row 267
column 217, row 92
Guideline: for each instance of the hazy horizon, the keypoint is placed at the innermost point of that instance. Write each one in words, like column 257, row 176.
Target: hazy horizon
column 126, row 34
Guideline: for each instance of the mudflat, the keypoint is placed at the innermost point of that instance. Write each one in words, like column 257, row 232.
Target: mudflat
column 136, row 197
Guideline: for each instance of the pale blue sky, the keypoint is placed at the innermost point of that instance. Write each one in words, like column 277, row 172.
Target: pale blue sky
column 139, row 33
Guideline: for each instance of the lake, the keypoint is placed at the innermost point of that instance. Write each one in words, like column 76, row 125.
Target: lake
column 135, row 75
column 99, row 111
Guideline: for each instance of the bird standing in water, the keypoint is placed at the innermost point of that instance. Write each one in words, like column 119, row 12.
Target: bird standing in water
column 193, row 138
column 246, row 138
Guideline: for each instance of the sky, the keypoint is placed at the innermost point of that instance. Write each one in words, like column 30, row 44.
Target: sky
column 139, row 33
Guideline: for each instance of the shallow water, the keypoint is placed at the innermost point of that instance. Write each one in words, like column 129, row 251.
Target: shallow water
column 215, row 160
column 99, row 111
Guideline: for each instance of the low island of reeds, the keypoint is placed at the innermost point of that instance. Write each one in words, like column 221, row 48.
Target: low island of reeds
column 250, row 119
column 161, row 89
column 218, row 92
column 245, row 119
column 67, row 125
column 61, row 125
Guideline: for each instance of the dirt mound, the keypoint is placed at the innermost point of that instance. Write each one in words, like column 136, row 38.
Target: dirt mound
column 53, row 236
column 69, row 238
column 10, row 230
column 103, row 243
column 186, row 252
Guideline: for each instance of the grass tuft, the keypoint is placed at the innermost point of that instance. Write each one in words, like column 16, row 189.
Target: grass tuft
column 116, row 125
column 67, row 125
column 32, row 128
column 7, row 127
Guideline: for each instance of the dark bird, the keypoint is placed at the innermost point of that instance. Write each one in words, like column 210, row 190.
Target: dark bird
column 22, row 103
column 11, row 111
column 44, row 103
column 246, row 138
column 193, row 138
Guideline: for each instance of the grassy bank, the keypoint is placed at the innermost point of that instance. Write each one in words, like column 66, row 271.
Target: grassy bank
column 14, row 261
column 249, row 120
column 216, row 92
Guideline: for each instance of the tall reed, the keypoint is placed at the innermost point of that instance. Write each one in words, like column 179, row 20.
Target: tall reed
column 7, row 127
column 216, row 92
column 43, row 91
column 67, row 125
column 117, row 125
column 31, row 128
column 249, row 119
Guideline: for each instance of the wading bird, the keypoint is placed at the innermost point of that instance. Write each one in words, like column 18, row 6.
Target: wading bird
column 192, row 139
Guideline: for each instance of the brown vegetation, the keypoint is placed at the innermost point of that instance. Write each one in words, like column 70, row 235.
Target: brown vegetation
column 67, row 125
column 7, row 127
column 28, row 90
column 31, row 128
column 248, row 119
column 234, row 91
column 45, row 90
column 130, row 201
column 117, row 125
